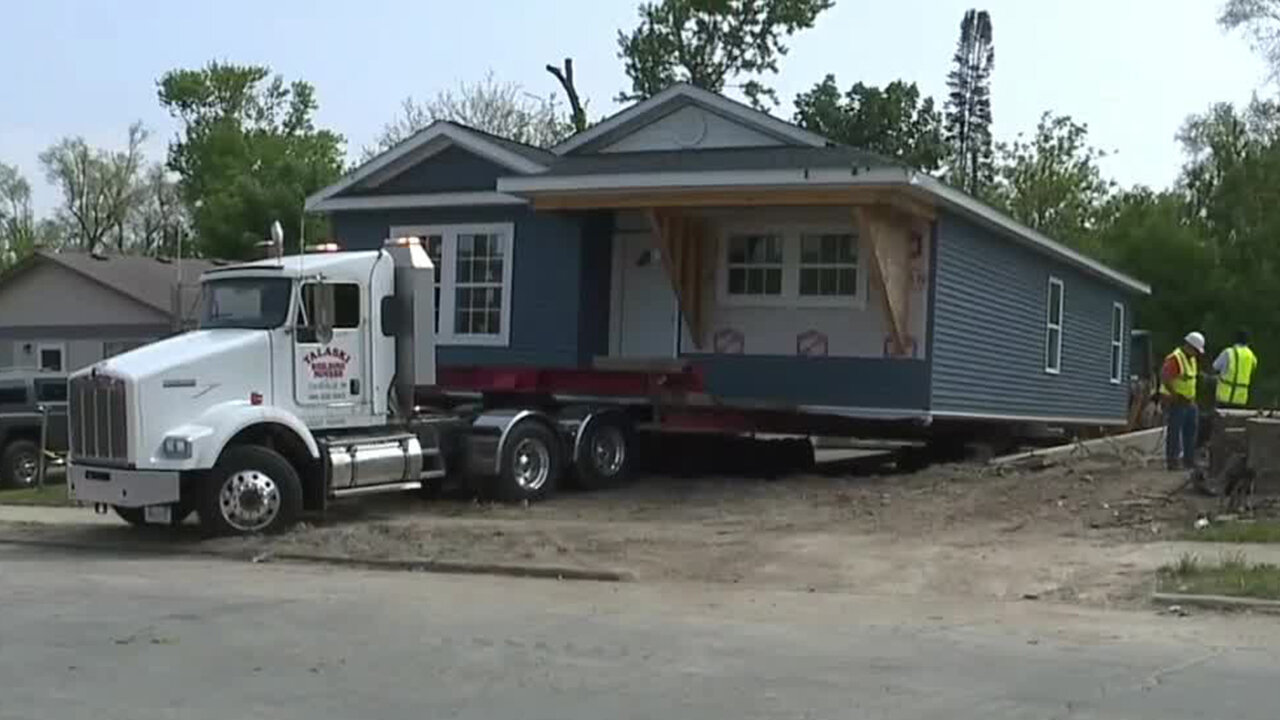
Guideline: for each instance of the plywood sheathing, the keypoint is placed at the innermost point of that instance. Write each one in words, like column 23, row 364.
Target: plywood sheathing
column 888, row 236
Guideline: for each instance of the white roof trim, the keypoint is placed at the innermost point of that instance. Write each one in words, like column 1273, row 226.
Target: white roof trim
column 995, row 218
column 717, row 102
column 445, row 199
column 711, row 178
column 457, row 135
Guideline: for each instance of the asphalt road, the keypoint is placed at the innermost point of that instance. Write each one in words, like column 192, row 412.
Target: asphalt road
column 102, row 637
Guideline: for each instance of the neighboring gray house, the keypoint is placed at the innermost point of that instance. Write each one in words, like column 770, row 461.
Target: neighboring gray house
column 784, row 270
column 61, row 311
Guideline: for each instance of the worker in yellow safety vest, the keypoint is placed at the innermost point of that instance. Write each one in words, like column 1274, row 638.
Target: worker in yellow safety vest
column 1235, row 367
column 1178, row 378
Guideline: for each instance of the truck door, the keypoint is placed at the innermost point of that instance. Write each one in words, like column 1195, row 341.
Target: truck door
column 328, row 353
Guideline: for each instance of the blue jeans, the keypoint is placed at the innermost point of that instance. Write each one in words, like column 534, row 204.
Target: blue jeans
column 1181, row 424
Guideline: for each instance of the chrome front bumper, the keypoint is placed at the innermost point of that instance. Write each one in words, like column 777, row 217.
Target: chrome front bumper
column 126, row 488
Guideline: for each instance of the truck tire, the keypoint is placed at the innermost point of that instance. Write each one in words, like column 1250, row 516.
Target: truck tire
column 531, row 464
column 252, row 489
column 604, row 457
column 21, row 464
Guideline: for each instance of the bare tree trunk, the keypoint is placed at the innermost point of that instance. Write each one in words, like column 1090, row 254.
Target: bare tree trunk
column 565, row 77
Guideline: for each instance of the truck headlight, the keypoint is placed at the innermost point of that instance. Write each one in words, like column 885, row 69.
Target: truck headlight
column 178, row 448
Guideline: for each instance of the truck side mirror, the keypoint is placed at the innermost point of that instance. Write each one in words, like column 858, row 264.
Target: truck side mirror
column 324, row 307
column 391, row 320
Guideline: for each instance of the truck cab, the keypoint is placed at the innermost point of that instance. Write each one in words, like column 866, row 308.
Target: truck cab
column 284, row 397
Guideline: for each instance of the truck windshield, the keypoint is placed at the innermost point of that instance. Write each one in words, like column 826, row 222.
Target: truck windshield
column 251, row 303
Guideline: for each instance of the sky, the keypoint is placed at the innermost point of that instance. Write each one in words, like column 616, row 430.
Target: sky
column 1133, row 70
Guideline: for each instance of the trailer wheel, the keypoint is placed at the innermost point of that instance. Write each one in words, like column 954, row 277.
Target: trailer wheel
column 604, row 455
column 252, row 489
column 531, row 463
column 21, row 464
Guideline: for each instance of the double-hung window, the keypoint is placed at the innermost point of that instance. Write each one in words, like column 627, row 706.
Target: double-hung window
column 829, row 265
column 472, row 280
column 755, row 265
column 1055, row 300
column 791, row 267
column 1117, row 342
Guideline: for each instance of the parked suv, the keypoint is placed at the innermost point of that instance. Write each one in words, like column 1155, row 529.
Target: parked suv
column 22, row 393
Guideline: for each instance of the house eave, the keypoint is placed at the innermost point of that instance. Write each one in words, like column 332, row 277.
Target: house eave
column 424, row 200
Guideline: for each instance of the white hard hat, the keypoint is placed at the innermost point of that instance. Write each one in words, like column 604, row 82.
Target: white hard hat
column 1195, row 340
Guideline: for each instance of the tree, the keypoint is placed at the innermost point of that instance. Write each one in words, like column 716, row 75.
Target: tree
column 577, row 109
column 1221, row 139
column 1261, row 20
column 498, row 108
column 248, row 154
column 968, row 112
column 1052, row 182
column 710, row 43
column 97, row 187
column 18, row 228
column 159, row 220
column 893, row 121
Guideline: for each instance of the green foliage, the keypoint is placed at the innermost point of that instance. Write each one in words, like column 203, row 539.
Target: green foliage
column 248, row 154
column 709, row 43
column 1261, row 20
column 1051, row 182
column 19, row 232
column 892, row 121
column 968, row 111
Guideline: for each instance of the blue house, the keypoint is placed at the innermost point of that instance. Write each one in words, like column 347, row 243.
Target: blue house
column 787, row 271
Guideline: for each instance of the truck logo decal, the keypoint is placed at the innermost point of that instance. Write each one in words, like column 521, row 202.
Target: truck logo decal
column 327, row 363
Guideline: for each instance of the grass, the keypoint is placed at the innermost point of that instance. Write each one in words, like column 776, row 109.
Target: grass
column 1232, row 575
column 47, row 495
column 1239, row 532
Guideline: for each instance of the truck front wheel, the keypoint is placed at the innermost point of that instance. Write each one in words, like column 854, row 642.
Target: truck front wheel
column 252, row 489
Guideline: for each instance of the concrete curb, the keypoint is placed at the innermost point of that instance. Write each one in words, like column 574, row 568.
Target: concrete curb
column 549, row 572
column 1222, row 602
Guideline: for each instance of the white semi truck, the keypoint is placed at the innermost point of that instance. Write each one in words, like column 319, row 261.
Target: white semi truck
column 299, row 387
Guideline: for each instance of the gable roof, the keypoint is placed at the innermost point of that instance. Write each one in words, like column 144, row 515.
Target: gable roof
column 514, row 156
column 146, row 280
column 643, row 112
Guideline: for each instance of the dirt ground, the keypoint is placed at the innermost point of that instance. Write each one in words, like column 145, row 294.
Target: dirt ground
column 1088, row 529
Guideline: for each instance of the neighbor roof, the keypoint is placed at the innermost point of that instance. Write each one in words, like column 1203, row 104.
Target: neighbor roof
column 145, row 279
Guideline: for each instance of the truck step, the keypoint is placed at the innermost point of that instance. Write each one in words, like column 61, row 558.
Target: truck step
column 373, row 489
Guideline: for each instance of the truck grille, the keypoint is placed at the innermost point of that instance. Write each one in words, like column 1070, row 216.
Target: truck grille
column 98, row 423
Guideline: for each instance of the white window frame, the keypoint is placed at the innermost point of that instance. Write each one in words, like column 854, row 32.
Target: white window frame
column 1049, row 326
column 791, row 234
column 448, row 274
column 61, row 347
column 1116, row 359
column 763, row 298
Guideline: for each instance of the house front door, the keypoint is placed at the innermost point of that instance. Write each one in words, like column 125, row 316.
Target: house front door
column 645, row 320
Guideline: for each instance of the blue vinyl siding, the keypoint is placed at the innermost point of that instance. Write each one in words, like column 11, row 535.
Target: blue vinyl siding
column 832, row 381
column 450, row 170
column 988, row 339
column 546, row 275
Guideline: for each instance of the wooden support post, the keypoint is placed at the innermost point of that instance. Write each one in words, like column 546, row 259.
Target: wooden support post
column 680, row 239
column 889, row 239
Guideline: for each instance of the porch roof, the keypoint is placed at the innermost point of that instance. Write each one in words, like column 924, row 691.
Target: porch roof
column 796, row 176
